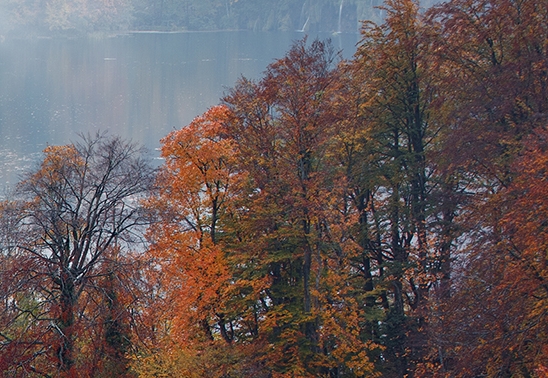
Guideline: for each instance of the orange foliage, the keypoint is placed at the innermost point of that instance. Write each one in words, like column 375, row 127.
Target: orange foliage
column 196, row 186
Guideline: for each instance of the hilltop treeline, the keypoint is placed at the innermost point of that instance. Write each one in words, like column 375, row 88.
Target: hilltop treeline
column 87, row 16
column 378, row 217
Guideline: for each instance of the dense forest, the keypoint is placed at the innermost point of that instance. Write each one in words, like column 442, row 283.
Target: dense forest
column 67, row 17
column 383, row 216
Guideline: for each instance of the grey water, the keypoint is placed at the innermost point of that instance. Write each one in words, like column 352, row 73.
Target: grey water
column 140, row 86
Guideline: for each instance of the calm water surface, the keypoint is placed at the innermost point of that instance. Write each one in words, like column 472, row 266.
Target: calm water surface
column 140, row 86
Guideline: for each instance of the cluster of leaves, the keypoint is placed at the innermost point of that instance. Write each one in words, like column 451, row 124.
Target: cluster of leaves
column 383, row 216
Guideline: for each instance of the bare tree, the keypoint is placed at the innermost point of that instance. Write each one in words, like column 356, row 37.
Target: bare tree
column 81, row 202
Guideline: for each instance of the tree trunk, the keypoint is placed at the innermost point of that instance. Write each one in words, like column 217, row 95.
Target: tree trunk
column 65, row 323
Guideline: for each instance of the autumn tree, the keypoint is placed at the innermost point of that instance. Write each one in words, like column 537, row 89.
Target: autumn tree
column 281, row 131
column 495, row 321
column 80, row 203
column 494, row 59
column 293, row 235
column 394, row 176
column 250, row 233
column 523, row 265
column 111, row 315
column 196, row 189
column 377, row 221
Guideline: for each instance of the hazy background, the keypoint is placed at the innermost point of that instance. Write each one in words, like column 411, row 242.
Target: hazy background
column 72, row 17
column 140, row 86
column 141, row 68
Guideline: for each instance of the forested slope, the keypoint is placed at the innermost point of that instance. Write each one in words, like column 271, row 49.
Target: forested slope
column 378, row 217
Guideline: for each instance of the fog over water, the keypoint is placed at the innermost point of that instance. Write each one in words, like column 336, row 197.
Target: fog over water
column 140, row 86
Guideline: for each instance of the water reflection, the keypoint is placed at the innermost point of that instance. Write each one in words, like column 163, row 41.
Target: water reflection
column 139, row 86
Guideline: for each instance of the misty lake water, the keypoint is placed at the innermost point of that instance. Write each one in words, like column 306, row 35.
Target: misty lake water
column 139, row 86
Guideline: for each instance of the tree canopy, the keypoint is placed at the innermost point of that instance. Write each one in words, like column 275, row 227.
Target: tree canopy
column 383, row 216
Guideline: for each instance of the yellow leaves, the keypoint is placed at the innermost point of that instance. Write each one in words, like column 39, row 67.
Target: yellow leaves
column 341, row 317
column 56, row 154
column 213, row 360
column 341, row 328
column 216, row 361
column 58, row 163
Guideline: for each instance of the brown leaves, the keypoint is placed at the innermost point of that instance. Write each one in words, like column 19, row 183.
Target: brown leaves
column 66, row 218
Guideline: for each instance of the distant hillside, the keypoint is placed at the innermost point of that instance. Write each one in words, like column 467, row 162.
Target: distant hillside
column 22, row 17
